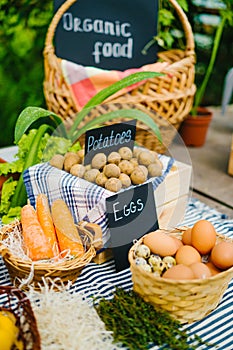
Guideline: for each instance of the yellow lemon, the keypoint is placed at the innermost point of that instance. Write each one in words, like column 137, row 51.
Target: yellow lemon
column 8, row 330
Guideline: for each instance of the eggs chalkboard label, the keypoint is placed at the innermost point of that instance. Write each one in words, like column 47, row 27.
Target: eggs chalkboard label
column 131, row 214
column 108, row 34
column 109, row 139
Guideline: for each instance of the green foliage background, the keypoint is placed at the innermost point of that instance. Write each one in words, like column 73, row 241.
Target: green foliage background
column 23, row 27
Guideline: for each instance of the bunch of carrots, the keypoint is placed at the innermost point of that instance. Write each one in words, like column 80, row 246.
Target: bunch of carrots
column 48, row 232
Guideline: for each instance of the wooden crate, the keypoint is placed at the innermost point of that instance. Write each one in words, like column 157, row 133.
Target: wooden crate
column 172, row 194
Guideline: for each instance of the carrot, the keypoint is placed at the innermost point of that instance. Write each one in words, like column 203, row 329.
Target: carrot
column 46, row 221
column 36, row 242
column 65, row 243
column 67, row 233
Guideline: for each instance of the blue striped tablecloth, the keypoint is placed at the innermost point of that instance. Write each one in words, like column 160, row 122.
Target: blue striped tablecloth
column 101, row 280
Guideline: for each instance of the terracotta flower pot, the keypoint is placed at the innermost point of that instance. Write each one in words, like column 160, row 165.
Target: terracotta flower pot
column 194, row 128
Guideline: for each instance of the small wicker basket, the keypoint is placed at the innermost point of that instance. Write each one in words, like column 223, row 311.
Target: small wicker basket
column 165, row 98
column 187, row 301
column 63, row 272
column 15, row 301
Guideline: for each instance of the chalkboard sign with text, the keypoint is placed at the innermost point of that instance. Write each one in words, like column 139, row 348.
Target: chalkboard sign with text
column 108, row 34
column 131, row 214
column 109, row 139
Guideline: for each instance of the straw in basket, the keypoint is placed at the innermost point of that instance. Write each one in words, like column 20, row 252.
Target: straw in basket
column 35, row 272
column 168, row 97
column 187, row 301
column 15, row 301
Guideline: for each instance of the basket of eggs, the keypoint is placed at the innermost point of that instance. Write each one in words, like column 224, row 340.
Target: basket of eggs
column 45, row 245
column 184, row 271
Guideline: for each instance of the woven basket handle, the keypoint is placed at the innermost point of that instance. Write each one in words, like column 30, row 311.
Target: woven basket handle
column 49, row 48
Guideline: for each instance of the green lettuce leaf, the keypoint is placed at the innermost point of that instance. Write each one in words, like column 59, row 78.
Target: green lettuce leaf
column 75, row 147
column 8, row 189
column 13, row 213
column 51, row 145
column 24, row 144
column 11, row 168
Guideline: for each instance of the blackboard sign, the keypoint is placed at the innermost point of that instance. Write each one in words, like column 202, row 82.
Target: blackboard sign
column 109, row 139
column 131, row 214
column 109, row 34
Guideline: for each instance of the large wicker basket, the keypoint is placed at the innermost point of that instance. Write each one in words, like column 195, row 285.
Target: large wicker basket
column 187, row 301
column 166, row 98
column 15, row 301
column 35, row 273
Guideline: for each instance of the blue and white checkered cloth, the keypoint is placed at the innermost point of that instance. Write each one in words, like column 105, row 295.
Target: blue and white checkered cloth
column 85, row 200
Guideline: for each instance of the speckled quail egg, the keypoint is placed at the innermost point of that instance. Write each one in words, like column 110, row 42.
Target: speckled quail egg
column 159, row 267
column 142, row 251
column 154, row 259
column 146, row 267
column 140, row 261
column 169, row 261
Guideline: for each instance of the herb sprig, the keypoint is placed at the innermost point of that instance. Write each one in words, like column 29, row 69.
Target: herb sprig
column 136, row 324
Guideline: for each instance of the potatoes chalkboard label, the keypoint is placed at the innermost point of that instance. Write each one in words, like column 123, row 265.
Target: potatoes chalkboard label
column 109, row 139
column 107, row 34
column 131, row 214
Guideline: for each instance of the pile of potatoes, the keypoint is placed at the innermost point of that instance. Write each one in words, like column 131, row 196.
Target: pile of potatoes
column 114, row 172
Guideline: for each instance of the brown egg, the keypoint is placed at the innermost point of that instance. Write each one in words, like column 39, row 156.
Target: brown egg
column 200, row 270
column 187, row 255
column 203, row 236
column 160, row 243
column 178, row 242
column 213, row 269
column 186, row 236
column 179, row 272
column 222, row 255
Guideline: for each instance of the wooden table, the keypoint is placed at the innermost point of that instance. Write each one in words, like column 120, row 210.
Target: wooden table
column 211, row 182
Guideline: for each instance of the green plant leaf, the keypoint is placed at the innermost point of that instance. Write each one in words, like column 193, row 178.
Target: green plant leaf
column 201, row 90
column 20, row 195
column 110, row 90
column 122, row 113
column 121, row 84
column 165, row 17
column 30, row 115
column 183, row 4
